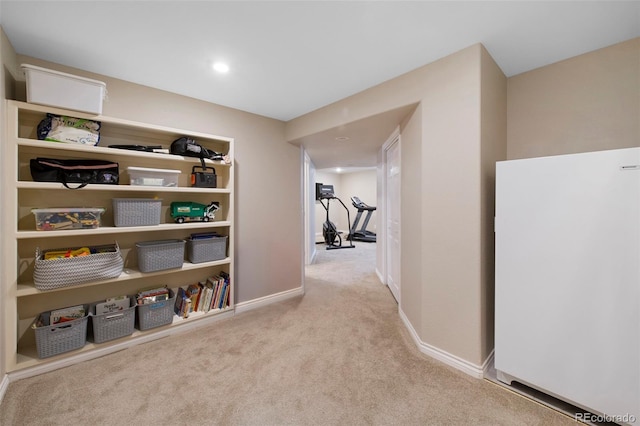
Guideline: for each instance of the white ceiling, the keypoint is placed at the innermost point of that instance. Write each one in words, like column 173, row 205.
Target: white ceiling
column 290, row 58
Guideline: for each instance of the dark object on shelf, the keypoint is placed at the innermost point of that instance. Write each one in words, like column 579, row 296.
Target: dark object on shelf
column 189, row 148
column 205, row 178
column 84, row 171
column 144, row 148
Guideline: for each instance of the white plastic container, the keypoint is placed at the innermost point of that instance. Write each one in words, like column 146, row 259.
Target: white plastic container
column 142, row 176
column 62, row 90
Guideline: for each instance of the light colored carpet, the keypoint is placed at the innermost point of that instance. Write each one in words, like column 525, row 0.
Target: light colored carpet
column 339, row 355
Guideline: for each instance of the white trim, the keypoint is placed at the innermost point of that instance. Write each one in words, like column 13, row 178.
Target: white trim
column 465, row 366
column 267, row 300
column 4, row 385
column 383, row 240
column 99, row 352
column 380, row 277
column 488, row 363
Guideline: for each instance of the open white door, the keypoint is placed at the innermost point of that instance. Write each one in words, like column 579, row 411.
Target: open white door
column 392, row 185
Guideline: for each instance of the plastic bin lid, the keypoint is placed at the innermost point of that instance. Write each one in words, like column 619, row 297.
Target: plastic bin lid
column 145, row 169
column 62, row 74
column 69, row 210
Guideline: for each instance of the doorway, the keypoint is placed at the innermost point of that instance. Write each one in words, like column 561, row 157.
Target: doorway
column 391, row 201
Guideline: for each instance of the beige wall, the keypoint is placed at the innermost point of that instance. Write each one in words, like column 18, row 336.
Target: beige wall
column 451, row 234
column 411, row 218
column 442, row 280
column 493, row 131
column 587, row 103
column 268, row 260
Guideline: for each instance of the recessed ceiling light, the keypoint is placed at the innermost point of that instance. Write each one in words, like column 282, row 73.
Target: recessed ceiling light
column 342, row 138
column 221, row 67
column 338, row 169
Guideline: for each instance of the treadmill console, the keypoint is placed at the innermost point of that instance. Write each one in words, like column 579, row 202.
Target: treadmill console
column 358, row 204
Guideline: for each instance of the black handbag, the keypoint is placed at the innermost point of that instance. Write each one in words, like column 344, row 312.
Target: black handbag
column 189, row 148
column 83, row 171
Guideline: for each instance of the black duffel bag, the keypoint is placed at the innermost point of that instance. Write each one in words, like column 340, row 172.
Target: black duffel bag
column 83, row 171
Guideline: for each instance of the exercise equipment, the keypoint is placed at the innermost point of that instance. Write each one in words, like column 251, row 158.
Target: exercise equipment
column 361, row 234
column 330, row 233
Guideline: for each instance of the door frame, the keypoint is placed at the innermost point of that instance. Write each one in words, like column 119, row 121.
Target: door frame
column 382, row 258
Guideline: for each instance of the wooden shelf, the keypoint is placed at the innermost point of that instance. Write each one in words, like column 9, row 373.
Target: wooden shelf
column 23, row 302
column 28, row 289
column 106, row 151
column 111, row 230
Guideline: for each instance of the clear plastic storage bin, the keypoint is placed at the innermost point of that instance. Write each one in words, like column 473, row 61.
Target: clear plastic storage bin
column 142, row 176
column 67, row 218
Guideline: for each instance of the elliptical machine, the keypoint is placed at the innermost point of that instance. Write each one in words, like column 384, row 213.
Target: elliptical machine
column 361, row 234
column 332, row 237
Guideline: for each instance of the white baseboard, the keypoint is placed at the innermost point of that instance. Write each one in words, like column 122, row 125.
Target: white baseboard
column 458, row 363
column 4, row 385
column 267, row 300
column 488, row 363
column 380, row 277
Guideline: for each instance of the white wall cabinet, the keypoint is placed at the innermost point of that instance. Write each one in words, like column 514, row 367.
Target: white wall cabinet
column 23, row 302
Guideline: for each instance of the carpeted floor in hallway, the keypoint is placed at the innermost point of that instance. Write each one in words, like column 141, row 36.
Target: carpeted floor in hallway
column 339, row 355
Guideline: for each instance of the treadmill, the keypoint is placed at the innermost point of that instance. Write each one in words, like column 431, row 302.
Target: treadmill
column 361, row 234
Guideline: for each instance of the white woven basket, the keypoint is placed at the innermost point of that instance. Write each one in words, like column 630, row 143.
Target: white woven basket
column 65, row 272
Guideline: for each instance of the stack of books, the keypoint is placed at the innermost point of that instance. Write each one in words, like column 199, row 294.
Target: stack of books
column 213, row 293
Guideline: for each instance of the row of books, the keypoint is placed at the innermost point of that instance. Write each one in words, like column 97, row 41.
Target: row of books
column 213, row 293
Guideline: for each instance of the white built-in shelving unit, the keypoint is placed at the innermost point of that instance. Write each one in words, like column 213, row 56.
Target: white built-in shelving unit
column 23, row 302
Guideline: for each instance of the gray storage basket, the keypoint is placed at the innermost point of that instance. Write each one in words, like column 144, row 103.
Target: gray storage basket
column 137, row 211
column 206, row 249
column 64, row 272
column 160, row 254
column 113, row 325
column 156, row 314
column 59, row 338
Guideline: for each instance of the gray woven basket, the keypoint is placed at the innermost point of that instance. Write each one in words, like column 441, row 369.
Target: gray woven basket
column 160, row 254
column 206, row 249
column 156, row 314
column 59, row 338
column 136, row 211
column 114, row 325
column 65, row 272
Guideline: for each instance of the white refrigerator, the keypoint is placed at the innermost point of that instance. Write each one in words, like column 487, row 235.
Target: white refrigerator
column 567, row 290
